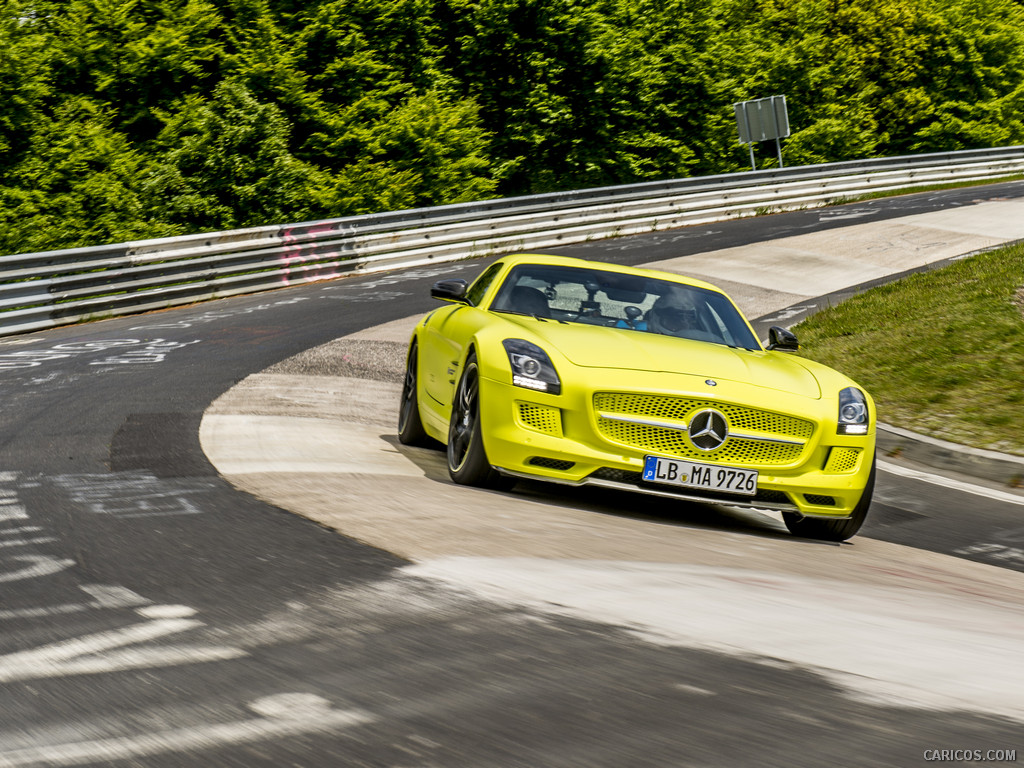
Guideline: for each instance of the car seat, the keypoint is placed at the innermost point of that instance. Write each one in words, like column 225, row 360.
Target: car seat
column 529, row 301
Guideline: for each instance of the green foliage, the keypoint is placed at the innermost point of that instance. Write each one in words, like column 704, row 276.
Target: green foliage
column 227, row 165
column 426, row 151
column 77, row 185
column 537, row 70
column 122, row 119
column 23, row 82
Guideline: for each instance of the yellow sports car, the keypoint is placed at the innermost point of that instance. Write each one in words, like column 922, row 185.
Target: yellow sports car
column 585, row 373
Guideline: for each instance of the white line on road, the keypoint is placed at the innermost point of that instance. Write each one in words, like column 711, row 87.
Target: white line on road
column 92, row 654
column 27, row 542
column 104, row 596
column 40, row 565
column 12, row 511
column 948, row 482
column 315, row 719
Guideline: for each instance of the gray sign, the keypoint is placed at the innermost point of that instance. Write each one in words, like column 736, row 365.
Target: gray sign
column 762, row 119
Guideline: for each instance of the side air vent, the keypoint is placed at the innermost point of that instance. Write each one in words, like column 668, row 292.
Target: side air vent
column 842, row 460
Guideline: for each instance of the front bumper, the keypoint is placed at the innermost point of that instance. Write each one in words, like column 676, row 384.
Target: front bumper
column 556, row 439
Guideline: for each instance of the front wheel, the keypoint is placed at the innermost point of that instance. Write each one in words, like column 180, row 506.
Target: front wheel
column 833, row 530
column 410, row 426
column 467, row 459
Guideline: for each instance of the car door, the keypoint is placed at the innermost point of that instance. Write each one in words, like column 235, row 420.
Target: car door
column 447, row 335
column 442, row 342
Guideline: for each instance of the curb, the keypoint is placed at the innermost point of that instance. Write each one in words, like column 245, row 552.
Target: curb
column 998, row 467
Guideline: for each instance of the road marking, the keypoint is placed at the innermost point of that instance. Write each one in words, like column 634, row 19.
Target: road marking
column 15, row 342
column 277, row 721
column 166, row 612
column 999, row 553
column 789, row 313
column 10, row 506
column 856, row 213
column 154, row 351
column 40, row 565
column 408, row 275
column 359, row 298
column 113, row 596
column 81, row 656
column 133, row 494
column 291, row 706
column 948, row 482
column 218, row 314
column 126, row 351
column 104, row 596
column 26, row 542
column 9, row 511
column 695, row 690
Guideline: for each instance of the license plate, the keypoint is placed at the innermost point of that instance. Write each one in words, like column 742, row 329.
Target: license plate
column 690, row 474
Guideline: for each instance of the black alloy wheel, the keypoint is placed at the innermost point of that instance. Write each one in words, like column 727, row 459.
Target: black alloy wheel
column 410, row 426
column 467, row 459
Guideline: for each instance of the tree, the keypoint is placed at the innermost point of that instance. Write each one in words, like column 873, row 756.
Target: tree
column 227, row 164
column 79, row 185
column 136, row 56
column 536, row 71
column 24, row 81
column 427, row 151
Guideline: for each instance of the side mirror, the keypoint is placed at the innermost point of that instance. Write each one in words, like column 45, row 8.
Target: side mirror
column 781, row 339
column 450, row 290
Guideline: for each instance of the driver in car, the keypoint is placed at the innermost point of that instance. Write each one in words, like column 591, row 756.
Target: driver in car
column 672, row 314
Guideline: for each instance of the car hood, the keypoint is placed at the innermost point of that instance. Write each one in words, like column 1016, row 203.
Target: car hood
column 591, row 346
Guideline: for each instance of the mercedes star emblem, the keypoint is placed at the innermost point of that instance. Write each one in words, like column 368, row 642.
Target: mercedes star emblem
column 708, row 430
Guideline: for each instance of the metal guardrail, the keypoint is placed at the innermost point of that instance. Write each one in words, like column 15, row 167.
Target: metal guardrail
column 43, row 290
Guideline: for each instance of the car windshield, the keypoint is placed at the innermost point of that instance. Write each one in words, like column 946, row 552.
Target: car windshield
column 630, row 302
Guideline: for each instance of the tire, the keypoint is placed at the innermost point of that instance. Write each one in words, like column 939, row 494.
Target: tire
column 833, row 530
column 467, row 459
column 410, row 426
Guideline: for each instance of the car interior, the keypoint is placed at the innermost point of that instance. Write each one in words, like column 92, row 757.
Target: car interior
column 593, row 297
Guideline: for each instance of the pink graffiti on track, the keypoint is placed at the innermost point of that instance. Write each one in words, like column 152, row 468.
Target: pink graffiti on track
column 296, row 256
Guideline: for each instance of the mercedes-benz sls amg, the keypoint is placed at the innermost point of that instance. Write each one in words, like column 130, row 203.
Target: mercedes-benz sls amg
column 585, row 373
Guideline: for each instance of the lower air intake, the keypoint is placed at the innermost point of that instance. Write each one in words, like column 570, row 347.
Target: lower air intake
column 821, row 501
column 541, row 461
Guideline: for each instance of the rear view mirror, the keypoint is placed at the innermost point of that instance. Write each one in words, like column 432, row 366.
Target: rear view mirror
column 450, row 290
column 781, row 339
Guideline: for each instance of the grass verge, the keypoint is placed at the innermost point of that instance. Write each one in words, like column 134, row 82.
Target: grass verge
column 942, row 352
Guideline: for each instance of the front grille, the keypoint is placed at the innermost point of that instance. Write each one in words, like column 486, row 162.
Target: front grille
column 674, row 442
column 543, row 461
column 842, row 460
column 542, row 418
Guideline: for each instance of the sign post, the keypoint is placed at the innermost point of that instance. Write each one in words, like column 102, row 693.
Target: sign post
column 762, row 120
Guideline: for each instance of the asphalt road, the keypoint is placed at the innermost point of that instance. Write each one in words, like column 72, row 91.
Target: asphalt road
column 152, row 615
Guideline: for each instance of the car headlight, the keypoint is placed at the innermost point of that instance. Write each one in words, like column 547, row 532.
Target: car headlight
column 853, row 412
column 531, row 367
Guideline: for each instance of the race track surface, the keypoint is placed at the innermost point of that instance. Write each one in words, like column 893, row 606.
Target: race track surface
column 153, row 614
